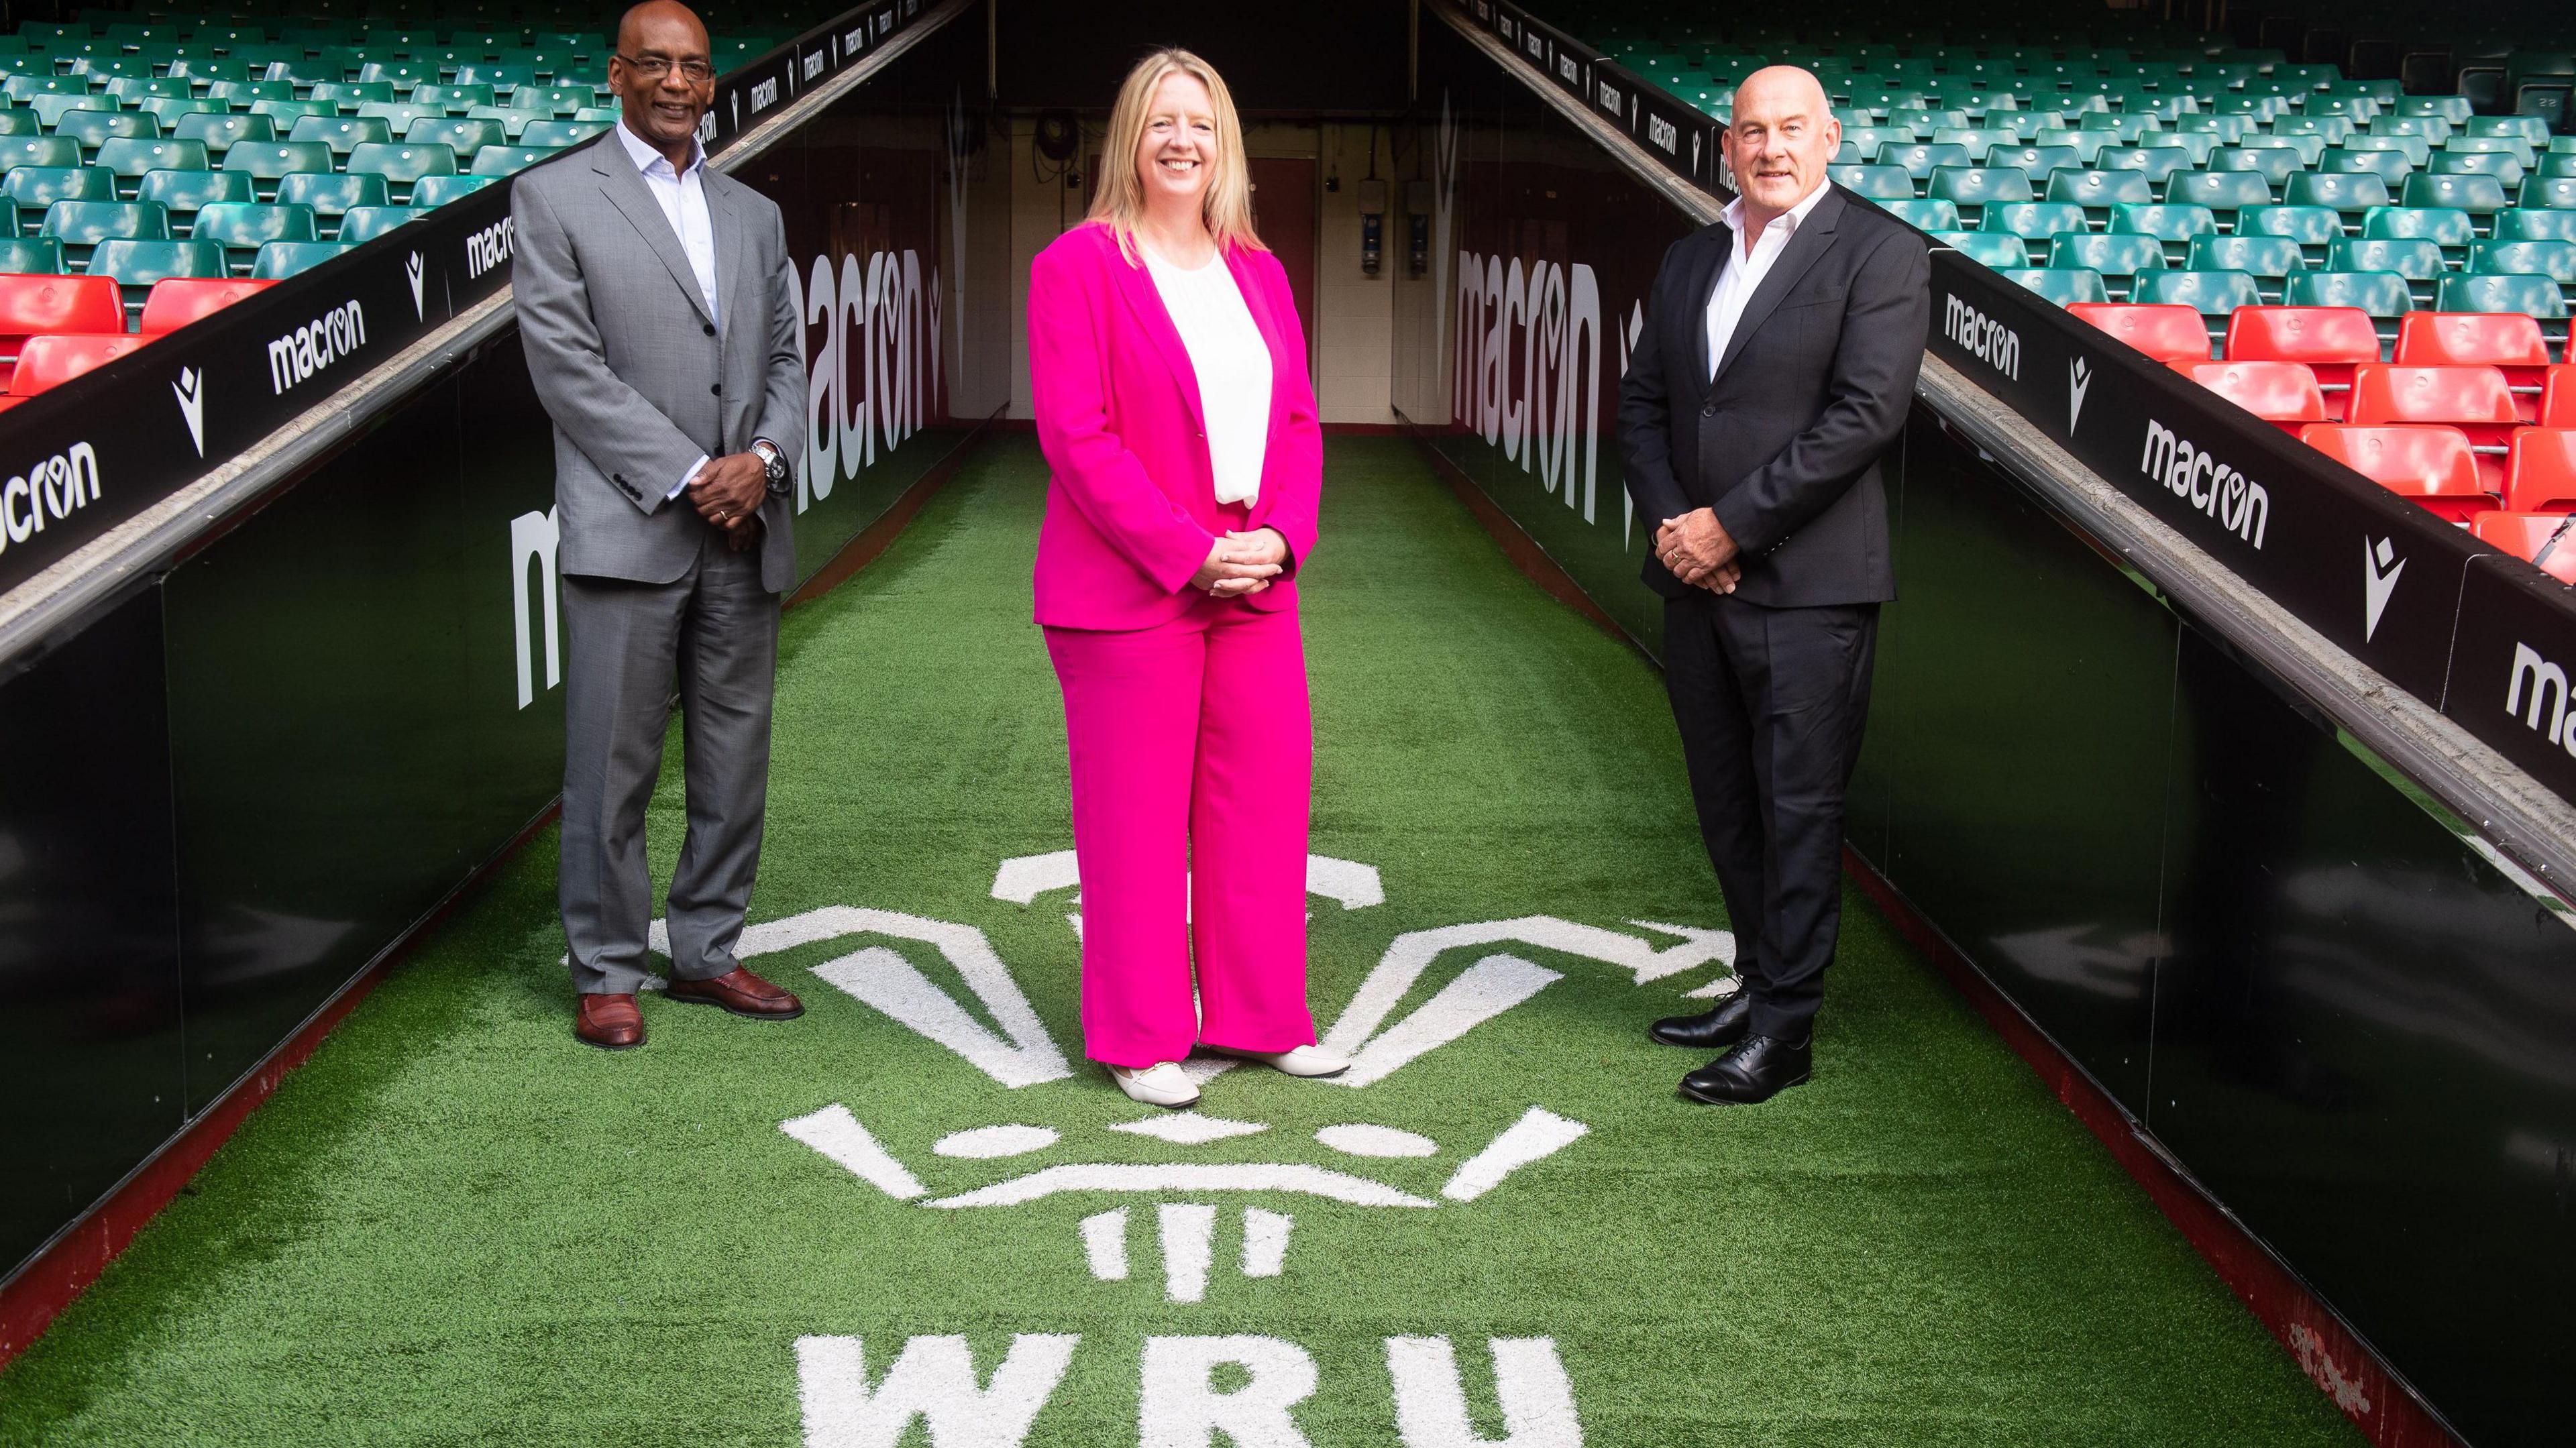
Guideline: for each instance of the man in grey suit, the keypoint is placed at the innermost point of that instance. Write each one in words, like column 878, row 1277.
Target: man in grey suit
column 654, row 300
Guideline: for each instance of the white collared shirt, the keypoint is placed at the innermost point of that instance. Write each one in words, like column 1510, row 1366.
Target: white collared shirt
column 683, row 197
column 1741, row 274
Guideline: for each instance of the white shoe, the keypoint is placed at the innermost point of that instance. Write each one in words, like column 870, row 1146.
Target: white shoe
column 1303, row 1061
column 1160, row 1084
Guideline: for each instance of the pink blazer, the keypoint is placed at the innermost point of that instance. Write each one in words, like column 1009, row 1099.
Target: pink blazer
column 1132, row 511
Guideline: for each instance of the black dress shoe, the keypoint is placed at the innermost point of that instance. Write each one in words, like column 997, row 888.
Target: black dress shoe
column 1758, row 1070
column 1711, row 1029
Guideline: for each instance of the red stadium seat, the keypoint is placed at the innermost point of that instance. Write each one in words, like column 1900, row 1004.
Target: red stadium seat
column 2330, row 340
column 2166, row 333
column 177, row 301
column 2508, row 341
column 2473, row 399
column 2432, row 465
column 50, row 361
column 2540, row 471
column 2533, row 538
column 2284, row 393
column 30, row 305
column 2558, row 397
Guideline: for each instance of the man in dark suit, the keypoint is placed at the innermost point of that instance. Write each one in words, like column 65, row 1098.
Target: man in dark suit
column 1776, row 365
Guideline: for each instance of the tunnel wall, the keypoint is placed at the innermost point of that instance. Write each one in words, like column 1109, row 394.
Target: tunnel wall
column 2342, row 1013
column 246, row 777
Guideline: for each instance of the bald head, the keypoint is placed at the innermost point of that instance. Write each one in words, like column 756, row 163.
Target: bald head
column 1780, row 137
column 664, row 76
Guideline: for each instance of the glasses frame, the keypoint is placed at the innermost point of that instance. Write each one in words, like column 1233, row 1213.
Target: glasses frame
column 653, row 68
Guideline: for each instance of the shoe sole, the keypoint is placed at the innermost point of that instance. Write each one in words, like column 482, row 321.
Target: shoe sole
column 606, row 1046
column 1246, row 1056
column 1149, row 1101
column 728, row 1010
column 1731, row 1101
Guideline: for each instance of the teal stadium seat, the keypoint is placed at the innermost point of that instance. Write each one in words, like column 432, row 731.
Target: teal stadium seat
column 2549, row 193
column 2384, row 295
column 2199, row 146
column 17, row 121
column 2309, row 149
column 366, row 223
column 399, row 117
column 2224, row 194
column 2449, row 229
column 2156, row 162
column 2418, row 259
column 82, row 225
column 2313, row 227
column 220, row 133
column 2417, row 151
column 2532, row 130
column 241, row 95
column 1986, row 248
column 35, row 188
column 2391, row 167
column 2214, row 294
column 2064, row 287
column 2032, row 220
column 2528, row 223
column 402, row 163
column 282, row 259
column 92, row 129
column 1922, row 214
column 1878, row 183
column 509, row 160
column 2346, row 195
column 2117, row 259
column 462, row 135
column 2553, row 259
column 2454, row 109
column 2269, row 260
column 184, row 193
column 2329, row 130
column 50, row 151
column 456, row 100
column 346, row 96
column 50, row 109
column 136, row 265
column 2174, row 225
column 342, row 134
column 555, row 135
column 269, row 162
column 2034, row 161
column 2531, row 296
column 33, row 255
column 333, row 194
column 244, row 229
column 439, row 190
column 284, row 114
column 2479, row 196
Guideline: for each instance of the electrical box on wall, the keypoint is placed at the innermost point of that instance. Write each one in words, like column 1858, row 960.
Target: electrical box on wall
column 1372, row 224
column 1417, row 217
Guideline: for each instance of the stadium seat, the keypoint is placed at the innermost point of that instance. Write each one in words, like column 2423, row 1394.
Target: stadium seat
column 38, row 255
column 2417, row 152
column 342, row 134
column 2098, row 191
column 403, row 164
column 1933, row 215
column 2527, row 224
column 1877, row 183
column 2282, row 393
column 2309, row 149
column 2165, row 333
column 2549, row 193
column 2214, row 294
column 91, row 129
column 400, row 117
column 2173, row 225
column 1986, row 248
column 2032, row 221
column 2547, row 541
column 2418, row 259
column 2433, row 466
column 82, row 225
column 184, row 193
column 2533, row 296
column 130, row 159
column 2273, row 166
column 332, row 194
column 559, row 134
column 2116, row 258
column 48, row 361
column 221, row 133
column 282, row 259
column 2314, row 228
column 138, row 265
column 366, row 223
column 2480, row 196
column 2473, row 399
column 2383, row 296
column 509, row 160
column 2347, row 196
column 439, row 190
column 269, row 162
column 462, row 135
column 52, row 152
column 2158, row 163
column 1970, row 189
column 2391, row 167
column 456, row 100
column 50, row 109
column 346, row 96
column 2062, row 285
column 2328, row 341
column 2555, row 260
column 2268, row 259
column 2540, row 471
column 2558, row 396
column 176, row 302
column 2506, row 167
column 2449, row 228
column 34, row 305
column 1917, row 159
column 249, row 228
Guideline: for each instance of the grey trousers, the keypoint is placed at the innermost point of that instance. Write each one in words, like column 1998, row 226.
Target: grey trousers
column 716, row 629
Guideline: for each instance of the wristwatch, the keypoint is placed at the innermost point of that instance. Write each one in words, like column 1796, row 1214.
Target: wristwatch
column 774, row 463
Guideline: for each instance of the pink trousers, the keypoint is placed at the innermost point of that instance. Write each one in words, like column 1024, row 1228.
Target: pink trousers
column 1193, row 761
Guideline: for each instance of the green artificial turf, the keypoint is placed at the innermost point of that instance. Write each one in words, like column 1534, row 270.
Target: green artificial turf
column 456, row 1224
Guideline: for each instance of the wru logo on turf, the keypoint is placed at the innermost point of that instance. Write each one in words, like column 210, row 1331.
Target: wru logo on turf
column 1195, row 1390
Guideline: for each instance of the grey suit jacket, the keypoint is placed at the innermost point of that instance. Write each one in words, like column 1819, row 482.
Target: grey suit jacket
column 1785, row 444
column 638, row 380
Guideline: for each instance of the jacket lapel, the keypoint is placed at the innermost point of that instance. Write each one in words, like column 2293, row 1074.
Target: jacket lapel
column 1138, row 286
column 726, row 219
column 1703, row 286
column 1806, row 244
column 625, row 188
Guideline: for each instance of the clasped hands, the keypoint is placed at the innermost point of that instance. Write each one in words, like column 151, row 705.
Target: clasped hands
column 1242, row 563
column 728, row 492
column 1696, row 547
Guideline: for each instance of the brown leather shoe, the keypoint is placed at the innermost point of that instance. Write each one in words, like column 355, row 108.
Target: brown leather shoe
column 742, row 993
column 609, row 1022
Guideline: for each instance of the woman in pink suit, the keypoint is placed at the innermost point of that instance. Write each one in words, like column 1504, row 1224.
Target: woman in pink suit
column 1167, row 369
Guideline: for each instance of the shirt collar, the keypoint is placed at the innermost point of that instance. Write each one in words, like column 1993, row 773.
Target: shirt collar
column 1795, row 216
column 645, row 157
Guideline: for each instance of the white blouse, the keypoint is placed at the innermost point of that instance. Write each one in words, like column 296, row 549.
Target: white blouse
column 1233, row 366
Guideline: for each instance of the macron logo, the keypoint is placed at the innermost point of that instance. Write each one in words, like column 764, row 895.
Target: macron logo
column 2079, row 376
column 2380, row 567
column 191, row 392
column 411, row 268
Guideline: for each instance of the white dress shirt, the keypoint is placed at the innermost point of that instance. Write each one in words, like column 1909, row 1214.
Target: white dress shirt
column 1745, row 267
column 683, row 196
column 1233, row 366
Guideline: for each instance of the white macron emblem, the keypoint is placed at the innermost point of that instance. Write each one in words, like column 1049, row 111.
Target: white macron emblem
column 2079, row 376
column 737, row 110
column 419, row 305
column 2380, row 567
column 190, row 389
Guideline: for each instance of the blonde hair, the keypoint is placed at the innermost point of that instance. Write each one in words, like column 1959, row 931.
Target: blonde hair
column 1226, row 205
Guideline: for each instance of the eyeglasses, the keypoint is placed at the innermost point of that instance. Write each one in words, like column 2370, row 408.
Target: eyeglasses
column 654, row 67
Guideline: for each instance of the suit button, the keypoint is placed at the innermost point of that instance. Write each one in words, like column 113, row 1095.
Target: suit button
column 1708, row 409
column 711, row 329
column 717, row 389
